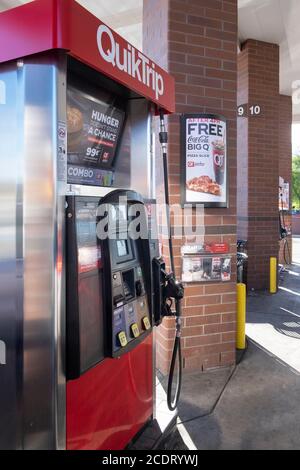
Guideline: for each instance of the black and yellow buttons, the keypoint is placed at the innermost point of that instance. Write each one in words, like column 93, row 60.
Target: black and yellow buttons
column 122, row 339
column 146, row 323
column 135, row 330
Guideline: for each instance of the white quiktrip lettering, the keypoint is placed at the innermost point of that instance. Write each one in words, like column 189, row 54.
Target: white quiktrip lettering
column 130, row 61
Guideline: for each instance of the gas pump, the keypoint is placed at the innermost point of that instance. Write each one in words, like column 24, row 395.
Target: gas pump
column 78, row 308
column 109, row 323
column 284, row 230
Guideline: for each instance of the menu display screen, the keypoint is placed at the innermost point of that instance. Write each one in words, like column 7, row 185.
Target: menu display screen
column 94, row 131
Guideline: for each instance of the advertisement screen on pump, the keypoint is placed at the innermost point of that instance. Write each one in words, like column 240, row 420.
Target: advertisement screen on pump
column 94, row 131
column 204, row 160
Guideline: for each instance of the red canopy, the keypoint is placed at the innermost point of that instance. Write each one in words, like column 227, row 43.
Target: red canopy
column 44, row 25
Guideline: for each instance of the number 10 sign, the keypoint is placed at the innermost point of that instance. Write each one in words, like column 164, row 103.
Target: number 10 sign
column 245, row 110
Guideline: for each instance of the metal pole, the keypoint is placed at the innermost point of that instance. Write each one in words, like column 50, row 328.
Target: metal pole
column 241, row 317
column 273, row 275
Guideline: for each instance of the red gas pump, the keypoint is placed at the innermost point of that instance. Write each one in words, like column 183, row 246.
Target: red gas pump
column 77, row 313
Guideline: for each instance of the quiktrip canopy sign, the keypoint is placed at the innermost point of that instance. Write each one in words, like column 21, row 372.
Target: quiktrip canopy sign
column 45, row 25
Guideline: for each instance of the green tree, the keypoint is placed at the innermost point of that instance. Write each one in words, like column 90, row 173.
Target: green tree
column 296, row 180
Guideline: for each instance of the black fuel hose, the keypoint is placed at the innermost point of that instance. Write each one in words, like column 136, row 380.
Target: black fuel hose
column 176, row 354
column 172, row 403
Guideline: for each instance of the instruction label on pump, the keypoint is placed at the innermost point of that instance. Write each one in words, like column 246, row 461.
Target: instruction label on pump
column 62, row 153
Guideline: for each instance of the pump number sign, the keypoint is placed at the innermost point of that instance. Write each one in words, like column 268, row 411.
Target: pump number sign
column 204, row 160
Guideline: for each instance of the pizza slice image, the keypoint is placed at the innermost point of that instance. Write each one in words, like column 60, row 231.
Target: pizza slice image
column 204, row 184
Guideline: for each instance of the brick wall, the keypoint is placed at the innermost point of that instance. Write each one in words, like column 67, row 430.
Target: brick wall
column 258, row 84
column 201, row 51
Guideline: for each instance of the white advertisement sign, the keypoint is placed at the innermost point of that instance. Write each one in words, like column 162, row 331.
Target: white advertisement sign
column 204, row 151
column 284, row 195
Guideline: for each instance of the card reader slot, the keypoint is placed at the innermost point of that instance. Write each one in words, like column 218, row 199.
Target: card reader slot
column 129, row 284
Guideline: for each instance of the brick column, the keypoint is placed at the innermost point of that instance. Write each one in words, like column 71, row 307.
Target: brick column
column 196, row 40
column 285, row 155
column 258, row 153
column 242, row 148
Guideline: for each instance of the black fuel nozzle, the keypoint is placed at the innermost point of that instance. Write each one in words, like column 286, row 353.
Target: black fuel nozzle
column 173, row 290
column 163, row 135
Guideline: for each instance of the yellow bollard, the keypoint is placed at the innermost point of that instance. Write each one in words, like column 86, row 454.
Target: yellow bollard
column 273, row 275
column 241, row 317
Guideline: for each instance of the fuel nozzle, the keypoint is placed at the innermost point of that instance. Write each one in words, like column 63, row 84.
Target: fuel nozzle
column 163, row 135
column 173, row 290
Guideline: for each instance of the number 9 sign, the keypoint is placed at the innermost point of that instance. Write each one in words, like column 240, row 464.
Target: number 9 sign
column 241, row 111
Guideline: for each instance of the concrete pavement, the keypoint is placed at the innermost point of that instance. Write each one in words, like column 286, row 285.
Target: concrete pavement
column 296, row 250
column 256, row 405
column 259, row 408
column 274, row 321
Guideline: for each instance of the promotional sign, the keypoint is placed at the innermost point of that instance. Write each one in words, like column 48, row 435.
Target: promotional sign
column 94, row 130
column 206, row 269
column 284, row 195
column 204, row 160
column 206, row 248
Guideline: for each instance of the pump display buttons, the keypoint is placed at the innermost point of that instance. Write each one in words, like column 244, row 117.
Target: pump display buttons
column 122, row 338
column 146, row 323
column 135, row 330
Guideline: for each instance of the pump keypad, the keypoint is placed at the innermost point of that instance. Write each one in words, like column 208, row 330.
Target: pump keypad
column 131, row 314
